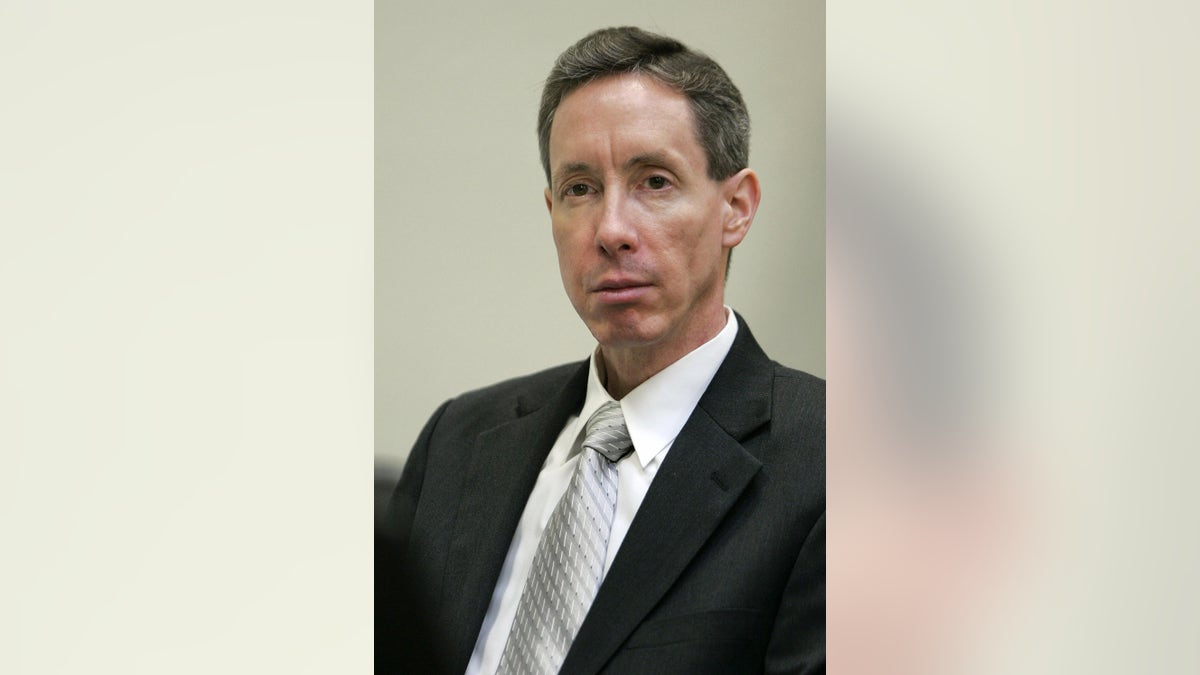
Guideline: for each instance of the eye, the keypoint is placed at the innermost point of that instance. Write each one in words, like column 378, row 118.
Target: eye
column 657, row 182
column 577, row 190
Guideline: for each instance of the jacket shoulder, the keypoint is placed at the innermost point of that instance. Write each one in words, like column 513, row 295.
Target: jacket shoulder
column 799, row 383
column 511, row 398
column 800, row 393
column 799, row 417
column 540, row 386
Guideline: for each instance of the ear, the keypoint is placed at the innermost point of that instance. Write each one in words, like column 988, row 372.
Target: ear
column 741, row 197
column 549, row 204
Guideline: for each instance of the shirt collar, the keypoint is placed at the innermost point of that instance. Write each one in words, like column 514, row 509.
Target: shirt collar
column 658, row 408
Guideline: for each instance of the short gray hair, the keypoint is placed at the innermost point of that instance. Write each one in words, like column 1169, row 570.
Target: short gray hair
column 722, row 122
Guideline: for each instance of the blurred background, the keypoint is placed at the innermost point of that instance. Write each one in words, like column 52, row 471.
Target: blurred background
column 1012, row 299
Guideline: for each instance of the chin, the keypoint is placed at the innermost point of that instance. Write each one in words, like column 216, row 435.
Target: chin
column 634, row 332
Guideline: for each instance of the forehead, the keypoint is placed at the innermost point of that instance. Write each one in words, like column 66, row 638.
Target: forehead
column 620, row 116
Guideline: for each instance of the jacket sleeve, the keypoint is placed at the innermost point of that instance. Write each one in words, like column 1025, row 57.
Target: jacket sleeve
column 402, row 507
column 403, row 638
column 797, row 643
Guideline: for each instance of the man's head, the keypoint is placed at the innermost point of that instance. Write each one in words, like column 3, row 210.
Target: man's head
column 721, row 121
column 645, row 148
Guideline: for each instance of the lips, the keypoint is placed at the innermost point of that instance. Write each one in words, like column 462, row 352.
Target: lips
column 617, row 283
column 619, row 289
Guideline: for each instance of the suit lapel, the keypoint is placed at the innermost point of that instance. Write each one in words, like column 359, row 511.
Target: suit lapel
column 702, row 477
column 504, row 466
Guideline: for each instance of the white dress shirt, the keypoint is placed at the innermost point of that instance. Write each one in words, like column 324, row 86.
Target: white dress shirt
column 654, row 413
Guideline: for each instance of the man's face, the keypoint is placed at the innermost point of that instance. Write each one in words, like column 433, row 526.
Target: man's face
column 640, row 228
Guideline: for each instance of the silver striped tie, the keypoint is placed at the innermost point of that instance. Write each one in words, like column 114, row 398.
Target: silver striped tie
column 570, row 557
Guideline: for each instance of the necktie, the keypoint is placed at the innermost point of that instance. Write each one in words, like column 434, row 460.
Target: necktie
column 570, row 557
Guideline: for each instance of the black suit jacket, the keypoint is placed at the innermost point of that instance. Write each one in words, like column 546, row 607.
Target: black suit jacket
column 723, row 567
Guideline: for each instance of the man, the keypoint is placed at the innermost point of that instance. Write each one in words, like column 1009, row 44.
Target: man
column 660, row 506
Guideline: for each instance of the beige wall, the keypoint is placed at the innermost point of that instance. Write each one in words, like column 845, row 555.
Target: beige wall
column 467, row 289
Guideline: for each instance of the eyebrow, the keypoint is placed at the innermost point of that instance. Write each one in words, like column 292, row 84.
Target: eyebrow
column 567, row 169
column 648, row 158
column 645, row 159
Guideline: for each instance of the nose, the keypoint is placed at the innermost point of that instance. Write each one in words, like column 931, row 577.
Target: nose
column 616, row 233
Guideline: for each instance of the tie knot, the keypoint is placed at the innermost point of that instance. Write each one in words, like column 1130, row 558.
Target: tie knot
column 606, row 432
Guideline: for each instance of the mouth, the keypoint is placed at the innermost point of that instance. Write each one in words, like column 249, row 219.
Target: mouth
column 617, row 291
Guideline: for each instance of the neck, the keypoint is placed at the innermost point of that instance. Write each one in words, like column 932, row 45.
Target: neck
column 623, row 369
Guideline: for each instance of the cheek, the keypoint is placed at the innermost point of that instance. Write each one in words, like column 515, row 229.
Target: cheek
column 556, row 232
column 568, row 253
column 562, row 242
column 693, row 245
